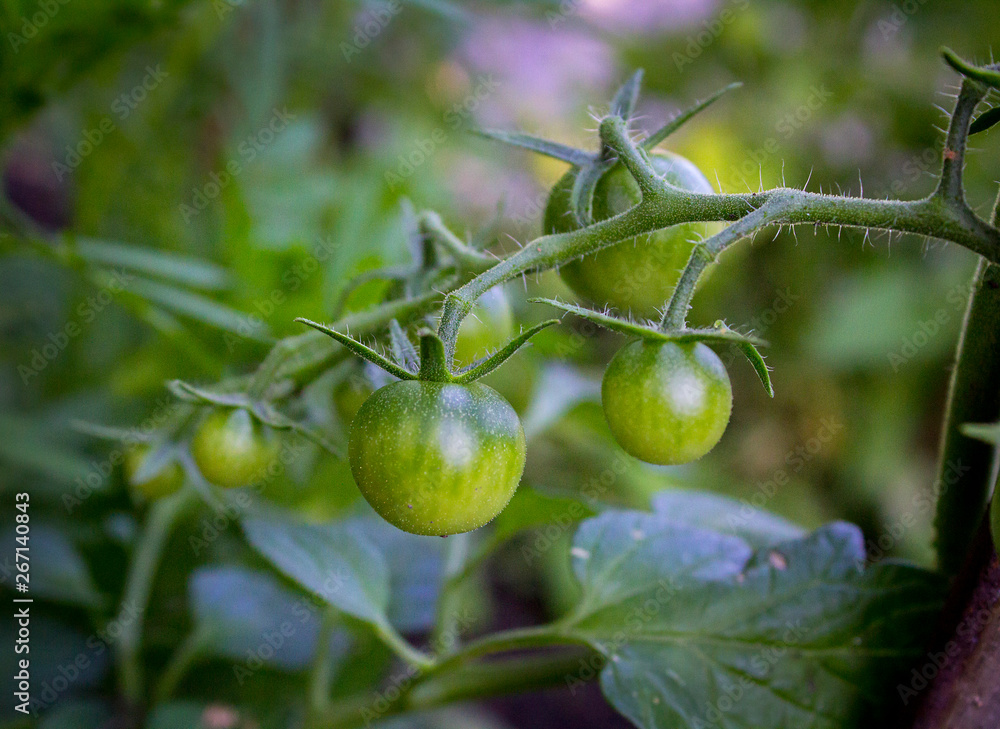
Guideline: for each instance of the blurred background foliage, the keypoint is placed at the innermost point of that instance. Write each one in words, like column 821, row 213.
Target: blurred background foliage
column 275, row 141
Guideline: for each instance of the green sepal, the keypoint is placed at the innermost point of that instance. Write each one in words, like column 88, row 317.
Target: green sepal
column 986, row 75
column 623, row 103
column 363, row 351
column 107, row 432
column 484, row 366
column 565, row 153
column 986, row 432
column 747, row 347
column 719, row 333
column 678, row 121
column 986, row 120
column 402, row 348
column 433, row 360
column 584, row 184
column 202, row 396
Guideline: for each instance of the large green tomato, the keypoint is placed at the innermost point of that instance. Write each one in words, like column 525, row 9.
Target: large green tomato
column 666, row 403
column 232, row 449
column 488, row 327
column 637, row 274
column 169, row 480
column 437, row 458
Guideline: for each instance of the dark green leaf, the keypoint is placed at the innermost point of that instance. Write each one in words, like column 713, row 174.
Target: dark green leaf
column 235, row 609
column 987, row 120
column 700, row 630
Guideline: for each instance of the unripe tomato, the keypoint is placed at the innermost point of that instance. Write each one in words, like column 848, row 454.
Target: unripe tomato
column 437, row 458
column 637, row 274
column 232, row 449
column 666, row 402
column 488, row 327
column 169, row 480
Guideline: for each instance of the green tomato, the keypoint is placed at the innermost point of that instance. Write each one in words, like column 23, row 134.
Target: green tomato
column 637, row 274
column 488, row 326
column 666, row 402
column 437, row 458
column 232, row 449
column 167, row 481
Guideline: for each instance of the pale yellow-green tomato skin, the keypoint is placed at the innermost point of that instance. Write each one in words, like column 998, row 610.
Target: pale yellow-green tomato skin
column 168, row 481
column 489, row 326
column 638, row 274
column 232, row 449
column 435, row 458
column 666, row 403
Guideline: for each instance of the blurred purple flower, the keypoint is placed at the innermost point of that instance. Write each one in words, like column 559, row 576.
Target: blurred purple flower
column 545, row 72
column 644, row 17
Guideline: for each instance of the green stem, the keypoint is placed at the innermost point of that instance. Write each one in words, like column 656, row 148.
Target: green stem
column 445, row 636
column 468, row 258
column 182, row 659
column 322, row 666
column 163, row 515
column 966, row 468
column 402, row 648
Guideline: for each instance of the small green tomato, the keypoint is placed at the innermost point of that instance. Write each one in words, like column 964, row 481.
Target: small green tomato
column 638, row 274
column 666, row 402
column 167, row 481
column 437, row 458
column 232, row 449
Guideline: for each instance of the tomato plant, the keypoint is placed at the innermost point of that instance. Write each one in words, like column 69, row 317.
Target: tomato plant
column 276, row 568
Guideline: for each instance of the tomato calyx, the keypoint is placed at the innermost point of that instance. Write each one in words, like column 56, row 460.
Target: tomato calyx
column 432, row 363
column 719, row 333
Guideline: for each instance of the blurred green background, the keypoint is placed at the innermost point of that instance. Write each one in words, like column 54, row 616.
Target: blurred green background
column 277, row 140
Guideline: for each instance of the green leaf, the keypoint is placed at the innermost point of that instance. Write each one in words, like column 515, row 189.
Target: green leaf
column 746, row 346
column 183, row 270
column 576, row 157
column 233, row 607
column 678, row 121
column 197, row 307
column 76, row 714
column 723, row 515
column 698, row 629
column 335, row 562
column 987, row 120
column 623, row 103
